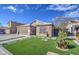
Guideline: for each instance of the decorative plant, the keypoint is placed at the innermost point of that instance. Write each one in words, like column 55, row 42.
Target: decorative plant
column 77, row 35
column 61, row 37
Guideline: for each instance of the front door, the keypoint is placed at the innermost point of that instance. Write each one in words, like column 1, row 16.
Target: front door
column 33, row 30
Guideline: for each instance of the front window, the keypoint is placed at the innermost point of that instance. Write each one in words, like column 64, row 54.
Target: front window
column 43, row 30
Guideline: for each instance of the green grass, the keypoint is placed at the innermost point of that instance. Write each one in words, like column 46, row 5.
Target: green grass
column 36, row 46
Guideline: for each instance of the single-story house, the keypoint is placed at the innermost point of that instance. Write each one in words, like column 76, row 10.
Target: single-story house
column 23, row 29
column 38, row 28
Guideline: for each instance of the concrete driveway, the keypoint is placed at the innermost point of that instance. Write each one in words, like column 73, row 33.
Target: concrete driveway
column 3, row 51
column 9, row 36
column 6, row 38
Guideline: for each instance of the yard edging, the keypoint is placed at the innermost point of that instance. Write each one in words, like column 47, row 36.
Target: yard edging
column 4, row 51
column 76, row 42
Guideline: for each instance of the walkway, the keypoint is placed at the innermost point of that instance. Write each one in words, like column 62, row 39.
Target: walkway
column 71, row 37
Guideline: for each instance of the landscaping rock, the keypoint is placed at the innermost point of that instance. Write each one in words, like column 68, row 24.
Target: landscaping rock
column 62, row 49
column 51, row 53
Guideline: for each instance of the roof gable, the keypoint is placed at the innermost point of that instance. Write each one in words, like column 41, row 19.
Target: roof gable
column 37, row 22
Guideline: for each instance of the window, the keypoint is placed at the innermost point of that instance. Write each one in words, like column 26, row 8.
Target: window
column 43, row 30
column 14, row 28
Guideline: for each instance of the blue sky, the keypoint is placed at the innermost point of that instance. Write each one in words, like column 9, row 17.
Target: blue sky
column 26, row 13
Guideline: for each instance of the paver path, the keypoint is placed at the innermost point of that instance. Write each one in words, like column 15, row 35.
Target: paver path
column 71, row 37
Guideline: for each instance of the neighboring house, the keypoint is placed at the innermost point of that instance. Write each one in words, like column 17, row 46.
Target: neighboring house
column 73, row 27
column 12, row 29
column 38, row 28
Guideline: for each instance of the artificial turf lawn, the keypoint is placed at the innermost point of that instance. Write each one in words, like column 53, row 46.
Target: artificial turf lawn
column 36, row 46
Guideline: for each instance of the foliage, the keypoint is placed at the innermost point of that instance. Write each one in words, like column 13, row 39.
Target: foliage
column 77, row 35
column 62, row 43
column 62, row 35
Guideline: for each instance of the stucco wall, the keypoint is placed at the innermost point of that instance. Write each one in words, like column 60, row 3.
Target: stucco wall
column 23, row 30
column 48, row 29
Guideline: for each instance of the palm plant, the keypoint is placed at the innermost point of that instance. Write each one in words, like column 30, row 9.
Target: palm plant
column 61, row 40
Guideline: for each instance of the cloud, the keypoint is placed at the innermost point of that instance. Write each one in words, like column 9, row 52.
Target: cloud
column 32, row 6
column 72, row 14
column 12, row 8
column 61, row 7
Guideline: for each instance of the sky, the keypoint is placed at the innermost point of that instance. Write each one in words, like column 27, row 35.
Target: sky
column 26, row 13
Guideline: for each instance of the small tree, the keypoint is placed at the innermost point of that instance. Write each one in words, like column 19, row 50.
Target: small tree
column 62, row 43
column 62, row 35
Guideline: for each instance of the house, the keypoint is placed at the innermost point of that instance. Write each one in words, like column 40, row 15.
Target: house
column 37, row 27
column 40, row 28
column 12, row 27
column 73, row 27
column 23, row 29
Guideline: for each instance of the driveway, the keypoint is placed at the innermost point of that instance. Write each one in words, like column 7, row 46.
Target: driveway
column 6, row 38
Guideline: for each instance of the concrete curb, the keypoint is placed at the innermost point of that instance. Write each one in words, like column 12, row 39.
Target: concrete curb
column 4, row 51
column 76, row 42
